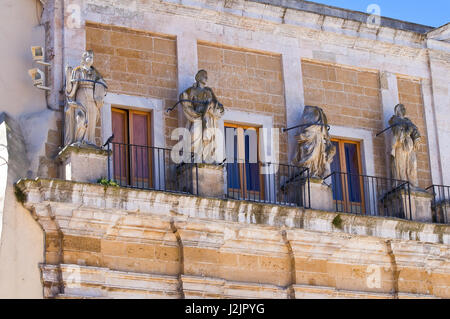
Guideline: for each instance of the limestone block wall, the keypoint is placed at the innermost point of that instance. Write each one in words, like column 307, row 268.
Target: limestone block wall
column 285, row 33
column 53, row 143
column 248, row 81
column 350, row 97
column 21, row 238
column 440, row 85
column 116, row 242
column 136, row 63
column 410, row 94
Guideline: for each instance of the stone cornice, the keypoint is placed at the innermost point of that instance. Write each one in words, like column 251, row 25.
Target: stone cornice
column 442, row 33
column 263, row 18
column 99, row 282
column 346, row 14
column 57, row 200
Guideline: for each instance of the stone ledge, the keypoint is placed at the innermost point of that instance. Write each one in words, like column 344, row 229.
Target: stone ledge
column 97, row 282
column 163, row 204
column 80, row 148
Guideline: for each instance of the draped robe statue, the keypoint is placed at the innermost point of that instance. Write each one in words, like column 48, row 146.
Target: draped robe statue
column 203, row 117
column 314, row 148
column 85, row 91
column 405, row 142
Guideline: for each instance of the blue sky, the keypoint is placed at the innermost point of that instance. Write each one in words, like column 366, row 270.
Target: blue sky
column 433, row 13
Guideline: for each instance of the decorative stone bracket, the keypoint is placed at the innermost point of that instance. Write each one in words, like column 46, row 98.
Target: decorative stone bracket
column 118, row 242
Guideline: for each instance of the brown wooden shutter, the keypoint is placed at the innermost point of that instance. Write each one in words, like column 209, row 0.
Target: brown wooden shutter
column 119, row 121
column 141, row 154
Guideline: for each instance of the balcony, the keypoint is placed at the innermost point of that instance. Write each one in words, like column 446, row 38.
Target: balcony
column 154, row 231
column 152, row 168
column 441, row 203
column 370, row 195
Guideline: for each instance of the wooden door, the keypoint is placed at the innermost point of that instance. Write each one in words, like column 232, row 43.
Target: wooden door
column 132, row 154
column 119, row 119
column 141, row 153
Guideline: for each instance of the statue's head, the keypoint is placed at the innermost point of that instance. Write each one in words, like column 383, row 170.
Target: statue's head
column 201, row 77
column 400, row 110
column 87, row 59
column 314, row 114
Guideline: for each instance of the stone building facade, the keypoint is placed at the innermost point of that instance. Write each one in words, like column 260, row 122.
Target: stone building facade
column 266, row 60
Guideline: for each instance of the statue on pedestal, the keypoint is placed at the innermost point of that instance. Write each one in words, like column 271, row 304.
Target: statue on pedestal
column 85, row 91
column 314, row 148
column 405, row 142
column 203, row 111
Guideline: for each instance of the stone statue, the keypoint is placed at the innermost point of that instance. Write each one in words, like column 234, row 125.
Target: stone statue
column 85, row 91
column 202, row 110
column 314, row 149
column 405, row 142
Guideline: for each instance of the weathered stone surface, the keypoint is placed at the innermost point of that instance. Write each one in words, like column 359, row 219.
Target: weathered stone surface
column 210, row 180
column 405, row 142
column 85, row 91
column 203, row 119
column 83, row 163
column 147, row 56
column 416, row 206
column 130, row 243
column 321, row 195
column 314, row 148
column 21, row 239
column 421, row 206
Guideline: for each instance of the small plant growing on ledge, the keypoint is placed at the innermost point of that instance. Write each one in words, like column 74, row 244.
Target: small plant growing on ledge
column 337, row 222
column 107, row 182
column 20, row 195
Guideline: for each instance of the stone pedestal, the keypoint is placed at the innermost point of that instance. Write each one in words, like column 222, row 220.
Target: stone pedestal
column 296, row 192
column 83, row 163
column 396, row 204
column 421, row 206
column 210, row 178
column 321, row 195
column 441, row 212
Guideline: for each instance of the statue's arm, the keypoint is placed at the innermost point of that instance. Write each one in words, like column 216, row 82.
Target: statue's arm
column 216, row 106
column 391, row 121
column 214, row 97
column 71, row 85
column 98, row 76
column 188, row 108
column 416, row 137
column 395, row 139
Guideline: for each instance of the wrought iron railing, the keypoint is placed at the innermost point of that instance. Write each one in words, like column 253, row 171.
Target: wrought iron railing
column 147, row 167
column 370, row 195
column 441, row 203
column 272, row 183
